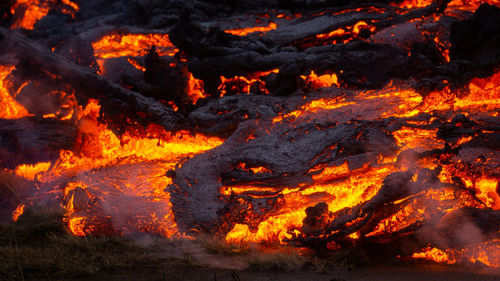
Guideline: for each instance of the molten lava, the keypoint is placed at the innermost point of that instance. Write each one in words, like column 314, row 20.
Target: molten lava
column 111, row 171
column 34, row 10
column 9, row 108
column 121, row 45
column 435, row 255
column 248, row 30
column 421, row 164
column 315, row 82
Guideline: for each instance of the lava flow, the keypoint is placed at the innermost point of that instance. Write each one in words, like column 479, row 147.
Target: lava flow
column 373, row 127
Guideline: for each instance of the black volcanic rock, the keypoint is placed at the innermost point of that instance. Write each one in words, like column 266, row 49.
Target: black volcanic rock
column 477, row 39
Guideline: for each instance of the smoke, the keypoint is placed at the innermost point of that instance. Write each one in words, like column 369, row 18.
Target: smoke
column 123, row 198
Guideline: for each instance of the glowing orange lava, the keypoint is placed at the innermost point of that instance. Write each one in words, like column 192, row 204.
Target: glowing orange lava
column 30, row 171
column 248, row 30
column 129, row 166
column 36, row 10
column 435, row 255
column 315, row 82
column 121, row 45
column 18, row 212
column 195, row 89
column 244, row 84
column 9, row 108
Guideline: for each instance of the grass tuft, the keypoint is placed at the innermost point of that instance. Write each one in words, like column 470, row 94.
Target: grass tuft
column 38, row 246
column 218, row 245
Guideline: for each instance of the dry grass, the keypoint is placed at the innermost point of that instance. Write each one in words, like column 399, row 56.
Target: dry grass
column 13, row 190
column 39, row 247
column 218, row 245
column 258, row 257
column 284, row 259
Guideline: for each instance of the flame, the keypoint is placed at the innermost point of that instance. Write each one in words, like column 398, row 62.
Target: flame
column 434, row 254
column 248, row 30
column 315, row 106
column 34, row 10
column 121, row 45
column 342, row 35
column 102, row 146
column 134, row 63
column 315, row 82
column 362, row 25
column 418, row 139
column 29, row 172
column 487, row 192
column 487, row 253
column 242, row 84
column 467, row 5
column 276, row 228
column 132, row 45
column 470, row 5
column 338, row 186
column 77, row 225
column 18, row 212
column 484, row 93
column 115, row 184
column 104, row 168
column 195, row 89
column 9, row 108
column 255, row 170
column 482, row 97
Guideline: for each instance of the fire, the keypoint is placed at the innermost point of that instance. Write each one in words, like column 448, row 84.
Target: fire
column 276, row 228
column 134, row 63
column 470, row 5
column 248, row 30
column 115, row 184
column 315, row 82
column 29, row 172
column 101, row 146
column 9, row 108
column 341, row 187
column 485, row 253
column 315, row 106
column 195, row 89
column 487, row 192
column 418, row 139
column 133, row 45
column 362, row 25
column 410, row 4
column 106, row 167
column 482, row 97
column 18, row 212
column 338, row 186
column 77, row 225
column 255, row 170
column 484, row 93
column 435, row 255
column 342, row 35
column 121, row 45
column 34, row 10
column 244, row 84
